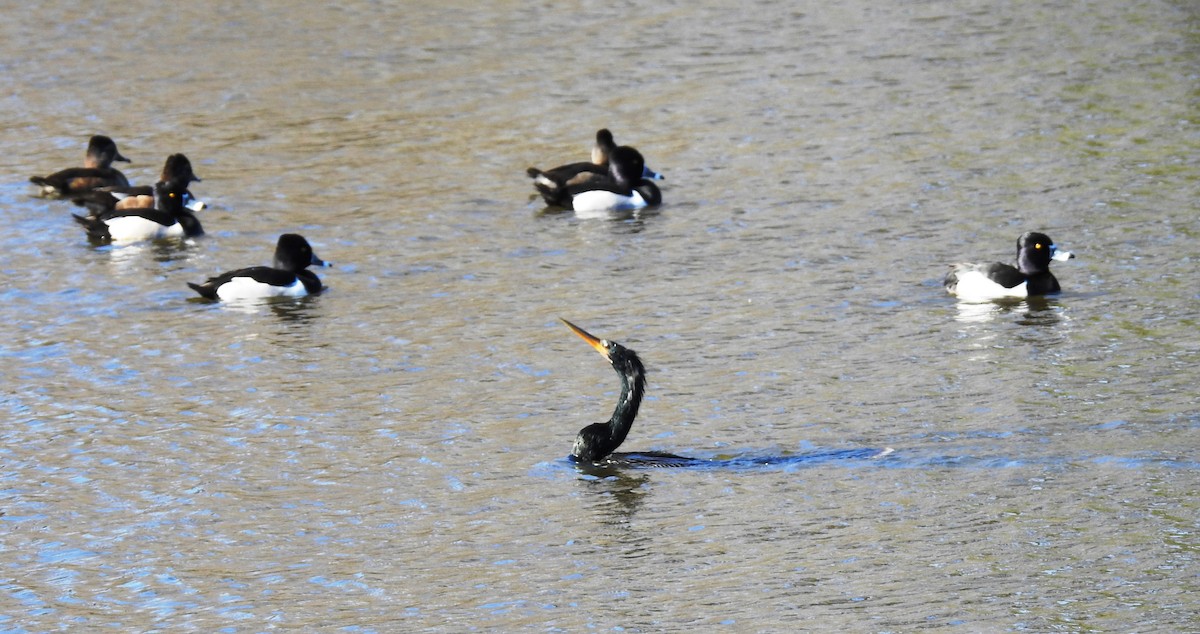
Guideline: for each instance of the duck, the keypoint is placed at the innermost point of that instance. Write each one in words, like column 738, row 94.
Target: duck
column 97, row 171
column 583, row 172
column 177, row 170
column 981, row 282
column 289, row 277
column 623, row 188
column 167, row 219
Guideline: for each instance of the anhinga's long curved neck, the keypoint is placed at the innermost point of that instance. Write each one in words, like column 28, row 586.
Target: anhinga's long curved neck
column 633, row 387
column 598, row 440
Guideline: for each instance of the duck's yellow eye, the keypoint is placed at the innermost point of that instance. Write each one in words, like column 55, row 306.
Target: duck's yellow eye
column 1037, row 245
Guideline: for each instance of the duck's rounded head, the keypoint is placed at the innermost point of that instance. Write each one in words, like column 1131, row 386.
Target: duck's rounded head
column 1034, row 252
column 293, row 253
column 626, row 164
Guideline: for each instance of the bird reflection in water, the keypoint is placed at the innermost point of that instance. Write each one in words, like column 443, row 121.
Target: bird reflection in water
column 1032, row 311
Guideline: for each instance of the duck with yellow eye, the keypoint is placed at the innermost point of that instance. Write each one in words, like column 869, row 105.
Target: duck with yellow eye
column 169, row 218
column 1031, row 276
column 107, row 199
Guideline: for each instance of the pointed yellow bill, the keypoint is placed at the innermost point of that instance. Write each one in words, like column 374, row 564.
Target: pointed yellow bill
column 599, row 344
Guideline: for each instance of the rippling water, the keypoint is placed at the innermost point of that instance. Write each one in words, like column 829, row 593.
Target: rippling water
column 388, row 456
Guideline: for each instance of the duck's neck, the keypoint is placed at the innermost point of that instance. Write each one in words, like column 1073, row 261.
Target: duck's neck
column 650, row 192
column 1031, row 264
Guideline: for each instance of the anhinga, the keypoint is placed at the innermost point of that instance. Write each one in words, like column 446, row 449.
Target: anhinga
column 597, row 442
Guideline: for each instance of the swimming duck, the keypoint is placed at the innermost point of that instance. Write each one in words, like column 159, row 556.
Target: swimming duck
column 623, row 188
column 97, row 171
column 997, row 280
column 177, row 170
column 580, row 173
column 167, row 219
column 289, row 277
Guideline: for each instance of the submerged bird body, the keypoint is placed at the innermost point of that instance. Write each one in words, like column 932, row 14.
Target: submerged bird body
column 289, row 277
column 996, row 280
column 97, row 171
column 167, row 219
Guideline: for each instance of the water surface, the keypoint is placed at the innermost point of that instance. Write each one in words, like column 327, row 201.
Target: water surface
column 389, row 456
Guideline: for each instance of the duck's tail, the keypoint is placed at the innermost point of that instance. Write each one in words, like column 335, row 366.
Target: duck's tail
column 207, row 291
column 96, row 228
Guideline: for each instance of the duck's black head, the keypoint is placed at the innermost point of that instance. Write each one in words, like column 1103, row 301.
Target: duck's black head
column 293, row 253
column 179, row 169
column 1034, row 252
column 626, row 165
column 104, row 150
column 169, row 195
